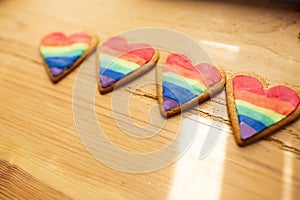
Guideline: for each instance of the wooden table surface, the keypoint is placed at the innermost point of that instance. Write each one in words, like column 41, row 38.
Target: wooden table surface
column 41, row 154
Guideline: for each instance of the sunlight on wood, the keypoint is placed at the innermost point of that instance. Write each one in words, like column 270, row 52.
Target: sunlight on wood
column 187, row 175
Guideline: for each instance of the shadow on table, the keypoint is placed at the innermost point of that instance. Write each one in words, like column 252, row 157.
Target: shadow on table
column 272, row 4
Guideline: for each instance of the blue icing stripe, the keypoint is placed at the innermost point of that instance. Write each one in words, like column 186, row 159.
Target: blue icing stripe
column 258, row 126
column 61, row 62
column 242, row 110
column 112, row 74
column 177, row 93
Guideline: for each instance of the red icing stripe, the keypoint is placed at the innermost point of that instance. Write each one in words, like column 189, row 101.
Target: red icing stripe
column 183, row 65
column 284, row 93
column 119, row 45
column 125, row 56
column 191, row 74
column 275, row 104
column 146, row 53
column 248, row 83
column 116, row 43
column 180, row 60
column 60, row 39
column 79, row 37
column 110, row 51
column 133, row 58
column 210, row 73
column 251, row 84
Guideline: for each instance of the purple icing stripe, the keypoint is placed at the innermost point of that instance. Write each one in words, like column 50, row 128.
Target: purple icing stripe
column 246, row 131
column 170, row 103
column 106, row 81
column 56, row 71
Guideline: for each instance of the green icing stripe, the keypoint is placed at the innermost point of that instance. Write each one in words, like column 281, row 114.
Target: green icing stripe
column 266, row 112
column 114, row 67
column 117, row 62
column 76, row 52
column 187, row 83
column 255, row 115
column 183, row 84
column 51, row 50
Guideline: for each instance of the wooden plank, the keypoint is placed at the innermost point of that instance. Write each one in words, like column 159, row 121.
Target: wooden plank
column 18, row 184
column 41, row 154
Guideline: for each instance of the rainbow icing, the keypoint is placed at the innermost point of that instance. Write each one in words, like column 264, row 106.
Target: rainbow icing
column 118, row 59
column 61, row 52
column 182, row 82
column 257, row 108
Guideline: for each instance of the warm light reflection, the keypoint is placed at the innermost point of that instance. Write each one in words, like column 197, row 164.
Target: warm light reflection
column 287, row 176
column 201, row 179
column 225, row 47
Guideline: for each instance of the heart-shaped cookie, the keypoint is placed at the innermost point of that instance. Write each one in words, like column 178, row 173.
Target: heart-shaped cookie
column 120, row 62
column 63, row 53
column 256, row 112
column 180, row 84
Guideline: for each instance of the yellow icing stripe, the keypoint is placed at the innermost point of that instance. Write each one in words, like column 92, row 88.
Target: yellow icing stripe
column 118, row 61
column 269, row 113
column 62, row 49
column 191, row 82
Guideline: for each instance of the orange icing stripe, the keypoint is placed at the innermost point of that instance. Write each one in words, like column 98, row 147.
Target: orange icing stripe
column 133, row 58
column 192, row 74
column 277, row 106
column 80, row 37
column 121, row 55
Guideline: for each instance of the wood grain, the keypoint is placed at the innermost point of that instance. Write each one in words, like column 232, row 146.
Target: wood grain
column 17, row 184
column 41, row 154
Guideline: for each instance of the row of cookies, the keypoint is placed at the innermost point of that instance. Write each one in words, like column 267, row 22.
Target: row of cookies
column 255, row 112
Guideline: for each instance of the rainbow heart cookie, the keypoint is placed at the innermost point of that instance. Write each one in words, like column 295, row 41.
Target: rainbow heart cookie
column 62, row 54
column 181, row 84
column 256, row 112
column 120, row 62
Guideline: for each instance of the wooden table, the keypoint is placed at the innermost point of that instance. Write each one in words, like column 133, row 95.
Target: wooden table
column 41, row 154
